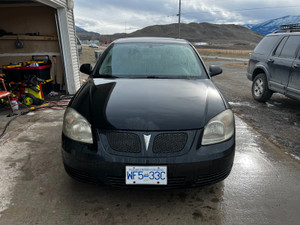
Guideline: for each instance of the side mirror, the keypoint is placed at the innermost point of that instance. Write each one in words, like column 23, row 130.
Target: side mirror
column 86, row 68
column 215, row 70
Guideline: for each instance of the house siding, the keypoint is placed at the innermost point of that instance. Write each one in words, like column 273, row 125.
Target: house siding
column 68, row 42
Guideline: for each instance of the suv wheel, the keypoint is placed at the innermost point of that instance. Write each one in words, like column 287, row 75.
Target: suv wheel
column 260, row 90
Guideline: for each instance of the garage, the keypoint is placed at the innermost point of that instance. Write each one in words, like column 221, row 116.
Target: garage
column 39, row 33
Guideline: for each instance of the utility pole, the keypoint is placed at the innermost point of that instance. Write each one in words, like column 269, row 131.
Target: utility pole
column 179, row 15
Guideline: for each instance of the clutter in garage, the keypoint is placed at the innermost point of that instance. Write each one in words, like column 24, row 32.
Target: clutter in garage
column 29, row 82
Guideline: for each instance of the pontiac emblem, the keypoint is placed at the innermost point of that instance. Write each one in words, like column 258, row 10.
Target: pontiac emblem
column 147, row 140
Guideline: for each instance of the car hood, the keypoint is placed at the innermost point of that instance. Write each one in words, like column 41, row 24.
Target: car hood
column 148, row 104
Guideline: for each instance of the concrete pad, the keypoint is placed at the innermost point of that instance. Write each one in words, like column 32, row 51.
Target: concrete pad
column 263, row 188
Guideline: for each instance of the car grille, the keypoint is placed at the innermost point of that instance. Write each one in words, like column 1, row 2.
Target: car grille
column 160, row 143
column 124, row 142
column 173, row 182
column 168, row 143
column 81, row 175
column 212, row 178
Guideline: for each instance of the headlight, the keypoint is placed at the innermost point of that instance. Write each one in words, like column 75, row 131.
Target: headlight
column 218, row 129
column 76, row 127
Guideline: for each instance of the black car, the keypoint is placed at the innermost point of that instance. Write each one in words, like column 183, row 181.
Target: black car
column 274, row 66
column 149, row 114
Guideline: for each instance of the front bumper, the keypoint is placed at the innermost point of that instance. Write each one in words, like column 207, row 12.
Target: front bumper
column 196, row 167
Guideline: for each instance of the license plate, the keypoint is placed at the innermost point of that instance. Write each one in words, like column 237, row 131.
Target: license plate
column 154, row 175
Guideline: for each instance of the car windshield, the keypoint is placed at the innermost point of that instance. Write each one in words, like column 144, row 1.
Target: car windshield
column 151, row 60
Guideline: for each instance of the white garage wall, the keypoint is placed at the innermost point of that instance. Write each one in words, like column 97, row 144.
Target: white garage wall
column 65, row 17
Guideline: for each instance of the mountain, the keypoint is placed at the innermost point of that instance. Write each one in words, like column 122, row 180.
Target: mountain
column 272, row 25
column 248, row 25
column 86, row 35
column 215, row 35
column 80, row 30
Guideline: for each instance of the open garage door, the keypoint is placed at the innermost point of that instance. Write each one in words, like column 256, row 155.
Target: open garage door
column 36, row 28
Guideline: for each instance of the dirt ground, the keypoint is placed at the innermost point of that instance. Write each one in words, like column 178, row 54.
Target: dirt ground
column 278, row 119
column 88, row 55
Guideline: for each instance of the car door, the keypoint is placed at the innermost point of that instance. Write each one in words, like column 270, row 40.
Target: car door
column 281, row 62
column 293, row 89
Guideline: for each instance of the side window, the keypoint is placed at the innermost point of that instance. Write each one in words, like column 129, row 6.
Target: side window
column 290, row 48
column 280, row 46
column 266, row 45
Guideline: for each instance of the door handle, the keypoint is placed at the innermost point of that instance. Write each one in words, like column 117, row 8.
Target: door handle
column 271, row 60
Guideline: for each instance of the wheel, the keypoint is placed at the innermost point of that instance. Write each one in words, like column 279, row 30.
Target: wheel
column 28, row 101
column 260, row 89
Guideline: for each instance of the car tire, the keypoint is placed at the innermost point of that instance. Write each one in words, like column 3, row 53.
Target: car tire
column 260, row 89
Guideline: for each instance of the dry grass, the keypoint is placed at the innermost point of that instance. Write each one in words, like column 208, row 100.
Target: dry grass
column 225, row 53
column 88, row 55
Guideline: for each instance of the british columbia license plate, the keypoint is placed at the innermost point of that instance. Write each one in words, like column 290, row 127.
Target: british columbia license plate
column 154, row 175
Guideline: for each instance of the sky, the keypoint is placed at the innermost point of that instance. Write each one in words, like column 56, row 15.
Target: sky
column 126, row 16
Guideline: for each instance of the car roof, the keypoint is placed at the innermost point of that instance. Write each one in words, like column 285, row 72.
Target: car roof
column 151, row 40
column 284, row 33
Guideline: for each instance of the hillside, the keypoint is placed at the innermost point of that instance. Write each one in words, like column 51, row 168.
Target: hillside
column 80, row 30
column 227, row 36
column 86, row 35
column 272, row 25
